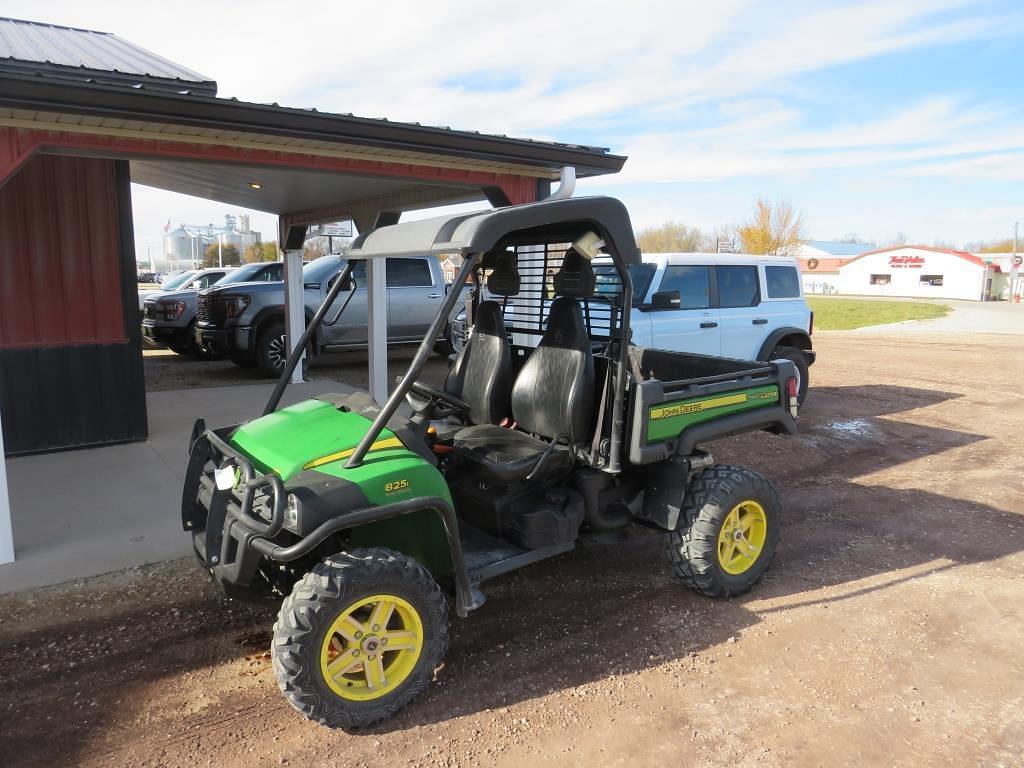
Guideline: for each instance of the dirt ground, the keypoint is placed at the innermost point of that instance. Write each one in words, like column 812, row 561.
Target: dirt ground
column 887, row 633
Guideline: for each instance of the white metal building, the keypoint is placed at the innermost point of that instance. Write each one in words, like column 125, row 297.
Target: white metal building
column 919, row 271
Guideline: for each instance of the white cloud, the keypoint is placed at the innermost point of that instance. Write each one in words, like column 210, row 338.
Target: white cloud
column 692, row 91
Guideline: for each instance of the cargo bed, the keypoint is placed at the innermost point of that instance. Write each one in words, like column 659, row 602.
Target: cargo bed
column 679, row 400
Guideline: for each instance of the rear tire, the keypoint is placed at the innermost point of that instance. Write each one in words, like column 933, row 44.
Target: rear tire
column 325, row 637
column 272, row 349
column 799, row 359
column 727, row 533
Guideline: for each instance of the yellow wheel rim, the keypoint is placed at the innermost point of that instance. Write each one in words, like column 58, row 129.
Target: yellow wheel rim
column 371, row 647
column 741, row 539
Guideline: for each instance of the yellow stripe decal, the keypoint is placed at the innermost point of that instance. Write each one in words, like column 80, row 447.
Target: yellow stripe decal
column 380, row 445
column 668, row 411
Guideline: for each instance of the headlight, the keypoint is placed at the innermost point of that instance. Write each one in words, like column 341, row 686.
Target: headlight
column 235, row 305
column 171, row 310
column 291, row 513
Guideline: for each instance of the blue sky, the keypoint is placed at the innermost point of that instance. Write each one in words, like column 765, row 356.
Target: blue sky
column 870, row 117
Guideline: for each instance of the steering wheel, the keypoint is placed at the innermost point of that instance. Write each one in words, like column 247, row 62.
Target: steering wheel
column 434, row 397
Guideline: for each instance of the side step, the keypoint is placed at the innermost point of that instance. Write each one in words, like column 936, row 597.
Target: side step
column 488, row 556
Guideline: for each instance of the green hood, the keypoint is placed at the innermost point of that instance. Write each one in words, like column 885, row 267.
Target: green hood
column 306, row 435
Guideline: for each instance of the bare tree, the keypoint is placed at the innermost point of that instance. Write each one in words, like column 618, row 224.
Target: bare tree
column 775, row 228
column 670, row 237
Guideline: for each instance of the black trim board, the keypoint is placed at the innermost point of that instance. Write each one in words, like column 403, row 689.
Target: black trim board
column 229, row 114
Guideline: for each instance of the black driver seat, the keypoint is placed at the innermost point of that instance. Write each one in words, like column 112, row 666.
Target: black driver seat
column 482, row 373
column 552, row 398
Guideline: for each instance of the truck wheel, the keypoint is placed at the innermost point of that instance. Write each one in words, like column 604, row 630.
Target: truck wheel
column 728, row 531
column 802, row 371
column 359, row 637
column 272, row 349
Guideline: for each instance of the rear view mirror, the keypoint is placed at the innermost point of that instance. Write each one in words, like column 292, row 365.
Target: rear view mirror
column 665, row 300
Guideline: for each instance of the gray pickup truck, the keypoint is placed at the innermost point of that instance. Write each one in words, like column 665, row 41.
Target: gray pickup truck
column 246, row 321
column 168, row 317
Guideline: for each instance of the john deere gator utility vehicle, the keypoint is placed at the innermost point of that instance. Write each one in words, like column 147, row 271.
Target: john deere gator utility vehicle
column 368, row 521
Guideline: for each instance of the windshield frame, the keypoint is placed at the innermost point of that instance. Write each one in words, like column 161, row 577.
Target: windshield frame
column 322, row 268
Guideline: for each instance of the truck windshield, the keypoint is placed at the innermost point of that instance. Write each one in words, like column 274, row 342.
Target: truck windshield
column 608, row 281
column 320, row 269
column 177, row 281
column 243, row 274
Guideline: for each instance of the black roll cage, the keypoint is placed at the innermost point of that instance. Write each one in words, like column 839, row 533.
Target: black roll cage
column 469, row 270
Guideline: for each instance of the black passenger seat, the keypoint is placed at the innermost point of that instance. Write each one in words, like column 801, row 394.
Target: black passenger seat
column 552, row 397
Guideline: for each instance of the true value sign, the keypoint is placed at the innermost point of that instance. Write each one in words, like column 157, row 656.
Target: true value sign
column 914, row 262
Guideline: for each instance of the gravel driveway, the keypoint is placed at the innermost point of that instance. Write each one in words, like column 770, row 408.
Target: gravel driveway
column 887, row 632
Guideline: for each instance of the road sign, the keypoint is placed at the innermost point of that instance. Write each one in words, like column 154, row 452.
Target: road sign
column 340, row 229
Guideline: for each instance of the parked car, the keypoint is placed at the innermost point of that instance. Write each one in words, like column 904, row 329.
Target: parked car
column 146, row 277
column 247, row 322
column 169, row 284
column 167, row 317
column 729, row 305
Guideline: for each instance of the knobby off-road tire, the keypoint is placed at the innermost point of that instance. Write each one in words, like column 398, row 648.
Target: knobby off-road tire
column 799, row 359
column 326, row 595
column 699, row 548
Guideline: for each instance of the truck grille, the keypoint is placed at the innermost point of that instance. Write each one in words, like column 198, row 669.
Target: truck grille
column 202, row 308
column 149, row 310
column 209, row 311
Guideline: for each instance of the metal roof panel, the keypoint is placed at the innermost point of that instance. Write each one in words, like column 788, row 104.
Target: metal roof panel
column 51, row 50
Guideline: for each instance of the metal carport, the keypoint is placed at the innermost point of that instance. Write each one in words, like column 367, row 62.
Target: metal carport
column 82, row 114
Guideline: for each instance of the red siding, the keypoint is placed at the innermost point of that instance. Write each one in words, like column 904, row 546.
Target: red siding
column 60, row 277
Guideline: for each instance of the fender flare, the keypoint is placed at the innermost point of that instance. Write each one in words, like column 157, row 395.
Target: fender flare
column 270, row 313
column 780, row 333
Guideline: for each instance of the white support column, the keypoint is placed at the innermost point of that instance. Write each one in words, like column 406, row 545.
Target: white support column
column 294, row 306
column 6, row 527
column 377, row 316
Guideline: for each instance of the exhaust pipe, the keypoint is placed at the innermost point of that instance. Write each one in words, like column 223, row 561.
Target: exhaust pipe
column 566, row 185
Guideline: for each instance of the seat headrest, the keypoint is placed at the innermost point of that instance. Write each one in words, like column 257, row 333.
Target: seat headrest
column 575, row 278
column 504, row 279
column 489, row 320
column 565, row 327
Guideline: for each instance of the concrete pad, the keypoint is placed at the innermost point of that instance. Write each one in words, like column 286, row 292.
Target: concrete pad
column 90, row 511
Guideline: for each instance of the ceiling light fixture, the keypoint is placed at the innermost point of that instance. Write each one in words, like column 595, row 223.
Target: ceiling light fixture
column 255, row 185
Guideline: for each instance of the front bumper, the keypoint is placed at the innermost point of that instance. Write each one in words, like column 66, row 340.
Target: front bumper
column 224, row 522
column 224, row 340
column 162, row 334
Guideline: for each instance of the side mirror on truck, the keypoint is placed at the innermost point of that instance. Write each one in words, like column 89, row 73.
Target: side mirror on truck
column 665, row 300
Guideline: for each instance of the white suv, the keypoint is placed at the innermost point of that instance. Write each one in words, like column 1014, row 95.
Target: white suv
column 725, row 305
column 728, row 305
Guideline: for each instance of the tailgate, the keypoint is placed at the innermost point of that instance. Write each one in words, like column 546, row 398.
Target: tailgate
column 669, row 418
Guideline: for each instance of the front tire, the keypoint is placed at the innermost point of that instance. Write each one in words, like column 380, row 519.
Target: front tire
column 359, row 637
column 727, row 533
column 272, row 349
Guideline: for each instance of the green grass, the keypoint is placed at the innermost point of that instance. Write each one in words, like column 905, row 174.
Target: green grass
column 845, row 314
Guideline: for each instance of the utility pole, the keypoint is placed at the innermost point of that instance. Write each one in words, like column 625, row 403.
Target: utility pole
column 1014, row 288
column 220, row 252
